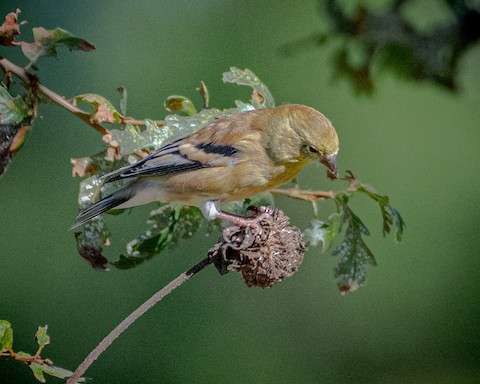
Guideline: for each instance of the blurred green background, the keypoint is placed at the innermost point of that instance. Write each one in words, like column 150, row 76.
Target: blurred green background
column 416, row 320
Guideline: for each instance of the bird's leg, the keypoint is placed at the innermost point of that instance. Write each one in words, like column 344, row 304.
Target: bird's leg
column 211, row 211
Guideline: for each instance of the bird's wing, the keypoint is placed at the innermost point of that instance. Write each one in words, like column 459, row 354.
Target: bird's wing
column 215, row 145
column 180, row 156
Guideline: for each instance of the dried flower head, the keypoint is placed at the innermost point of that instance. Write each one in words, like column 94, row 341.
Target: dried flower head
column 265, row 252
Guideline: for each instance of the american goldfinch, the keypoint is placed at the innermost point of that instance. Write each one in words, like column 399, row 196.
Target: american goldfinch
column 230, row 159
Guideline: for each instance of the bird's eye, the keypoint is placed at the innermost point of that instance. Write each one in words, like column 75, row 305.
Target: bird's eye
column 312, row 149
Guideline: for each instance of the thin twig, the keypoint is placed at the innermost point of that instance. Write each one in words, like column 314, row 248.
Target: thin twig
column 130, row 319
column 304, row 194
column 312, row 196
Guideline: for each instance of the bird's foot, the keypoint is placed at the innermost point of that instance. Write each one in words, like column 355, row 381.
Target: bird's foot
column 211, row 211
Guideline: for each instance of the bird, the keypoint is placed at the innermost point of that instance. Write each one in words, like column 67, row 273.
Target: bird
column 232, row 158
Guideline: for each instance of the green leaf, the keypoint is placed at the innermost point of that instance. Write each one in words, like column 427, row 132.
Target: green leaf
column 46, row 43
column 13, row 110
column 168, row 224
column 132, row 138
column 4, row 324
column 6, row 335
column 37, row 370
column 55, row 371
column 261, row 96
column 353, row 254
column 103, row 110
column 10, row 28
column 399, row 223
column 89, row 191
column 184, row 125
column 180, row 104
column 52, row 370
column 42, row 338
column 390, row 215
column 90, row 241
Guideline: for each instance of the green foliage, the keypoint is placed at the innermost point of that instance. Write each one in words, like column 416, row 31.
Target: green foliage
column 352, row 253
column 421, row 41
column 261, row 95
column 103, row 110
column 15, row 120
column 46, row 43
column 42, row 338
column 132, row 138
column 39, row 366
column 180, row 104
column 13, row 110
column 168, row 224
column 6, row 336
column 90, row 242
column 390, row 215
column 17, row 112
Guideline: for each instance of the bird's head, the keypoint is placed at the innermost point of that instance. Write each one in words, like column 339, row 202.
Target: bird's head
column 317, row 138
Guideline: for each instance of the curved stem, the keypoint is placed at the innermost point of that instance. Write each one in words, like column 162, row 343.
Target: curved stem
column 130, row 319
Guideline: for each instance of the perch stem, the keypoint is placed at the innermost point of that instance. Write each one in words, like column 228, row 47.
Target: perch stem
column 130, row 319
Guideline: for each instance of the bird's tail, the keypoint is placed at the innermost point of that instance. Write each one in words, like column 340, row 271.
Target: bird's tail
column 105, row 204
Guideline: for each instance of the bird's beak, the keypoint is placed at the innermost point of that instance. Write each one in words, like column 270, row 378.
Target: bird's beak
column 331, row 163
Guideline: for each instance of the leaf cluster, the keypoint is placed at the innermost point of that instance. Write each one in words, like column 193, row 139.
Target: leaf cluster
column 39, row 366
column 352, row 253
column 368, row 40
column 17, row 113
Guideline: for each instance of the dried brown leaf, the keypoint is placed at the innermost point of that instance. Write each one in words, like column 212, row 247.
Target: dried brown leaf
column 10, row 28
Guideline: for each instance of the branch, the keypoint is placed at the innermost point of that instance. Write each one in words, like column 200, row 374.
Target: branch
column 27, row 360
column 55, row 97
column 309, row 195
column 130, row 319
column 306, row 195
column 28, row 78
